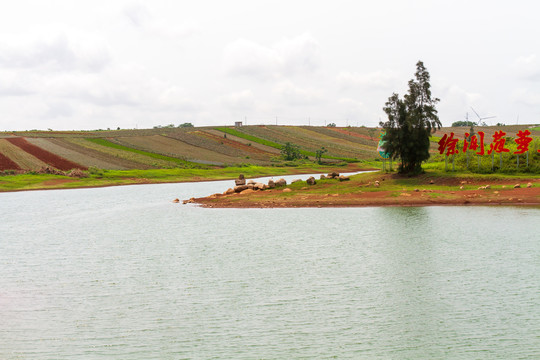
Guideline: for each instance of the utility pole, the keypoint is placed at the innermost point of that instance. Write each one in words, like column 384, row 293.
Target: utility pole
column 276, row 120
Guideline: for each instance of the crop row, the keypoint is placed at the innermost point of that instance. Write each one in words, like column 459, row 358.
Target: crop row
column 195, row 156
column 7, row 164
column 47, row 157
column 154, row 159
column 227, row 150
column 271, row 136
column 334, row 145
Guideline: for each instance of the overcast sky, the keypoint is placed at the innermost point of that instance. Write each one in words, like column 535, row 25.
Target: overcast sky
column 69, row 65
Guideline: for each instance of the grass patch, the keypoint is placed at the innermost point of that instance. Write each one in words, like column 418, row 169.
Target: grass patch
column 100, row 177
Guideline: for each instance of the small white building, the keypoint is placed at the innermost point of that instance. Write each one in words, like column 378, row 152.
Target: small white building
column 237, row 123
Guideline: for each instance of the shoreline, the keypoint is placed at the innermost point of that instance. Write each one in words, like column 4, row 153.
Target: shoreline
column 57, row 183
column 390, row 193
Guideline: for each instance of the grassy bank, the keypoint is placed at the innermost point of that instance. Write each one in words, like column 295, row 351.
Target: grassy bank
column 390, row 189
column 99, row 178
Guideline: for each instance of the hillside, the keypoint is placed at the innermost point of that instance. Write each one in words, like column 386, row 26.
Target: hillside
column 200, row 147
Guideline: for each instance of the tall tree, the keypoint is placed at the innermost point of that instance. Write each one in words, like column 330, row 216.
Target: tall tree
column 410, row 123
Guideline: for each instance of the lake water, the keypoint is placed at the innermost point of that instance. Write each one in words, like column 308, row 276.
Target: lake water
column 123, row 273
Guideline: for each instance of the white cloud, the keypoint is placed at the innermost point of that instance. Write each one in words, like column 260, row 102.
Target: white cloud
column 526, row 97
column 58, row 109
column 247, row 58
column 288, row 57
column 141, row 17
column 527, row 67
column 293, row 95
column 54, row 50
column 382, row 79
column 351, row 104
column 15, row 84
column 299, row 54
column 137, row 13
column 242, row 100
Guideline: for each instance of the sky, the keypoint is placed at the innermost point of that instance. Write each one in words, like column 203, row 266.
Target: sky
column 85, row 65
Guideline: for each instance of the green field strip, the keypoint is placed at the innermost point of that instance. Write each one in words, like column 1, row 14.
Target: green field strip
column 113, row 145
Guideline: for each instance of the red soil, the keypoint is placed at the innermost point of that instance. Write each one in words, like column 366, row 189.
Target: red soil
column 45, row 156
column 453, row 195
column 7, row 164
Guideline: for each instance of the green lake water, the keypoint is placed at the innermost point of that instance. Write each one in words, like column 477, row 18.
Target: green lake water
column 123, row 273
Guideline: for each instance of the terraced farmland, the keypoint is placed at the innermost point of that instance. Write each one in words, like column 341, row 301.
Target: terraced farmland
column 169, row 146
column 311, row 140
column 22, row 159
column 78, row 154
column 55, row 160
column 196, row 147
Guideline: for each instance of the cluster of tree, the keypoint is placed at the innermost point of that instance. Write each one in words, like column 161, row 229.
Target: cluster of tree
column 291, row 151
column 463, row 123
column 319, row 153
column 171, row 126
column 411, row 121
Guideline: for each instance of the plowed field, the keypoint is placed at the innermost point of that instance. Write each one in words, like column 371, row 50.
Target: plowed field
column 237, row 148
column 75, row 154
column 175, row 148
column 265, row 148
column 310, row 140
column 45, row 156
column 214, row 144
column 21, row 158
column 7, row 164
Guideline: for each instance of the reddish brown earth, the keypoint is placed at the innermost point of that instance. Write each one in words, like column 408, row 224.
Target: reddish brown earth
column 502, row 192
column 53, row 182
column 45, row 156
column 7, row 164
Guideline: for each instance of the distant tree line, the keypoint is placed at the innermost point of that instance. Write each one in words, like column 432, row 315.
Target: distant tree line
column 463, row 123
column 171, row 126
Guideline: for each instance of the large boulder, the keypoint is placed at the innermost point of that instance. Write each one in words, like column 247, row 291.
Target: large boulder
column 311, row 181
column 323, row 177
column 333, row 175
column 296, row 180
column 259, row 186
column 240, row 181
column 281, row 182
column 271, row 184
column 344, row 178
column 240, row 188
